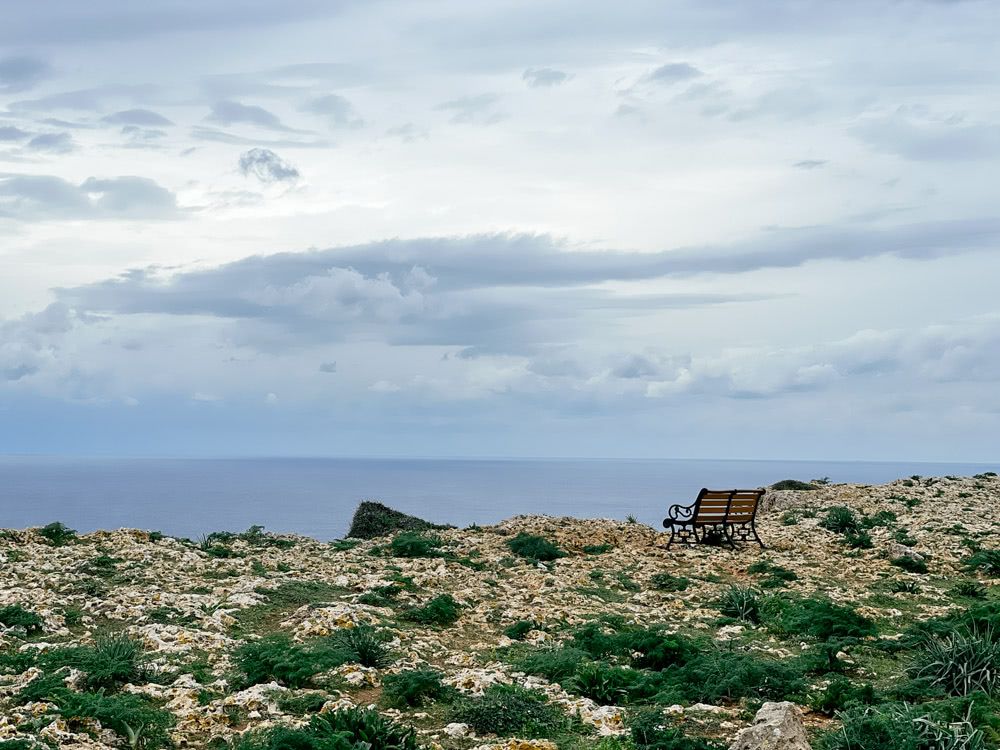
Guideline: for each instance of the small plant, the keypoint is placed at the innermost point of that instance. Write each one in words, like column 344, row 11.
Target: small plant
column 789, row 518
column 305, row 703
column 969, row 590
column 138, row 721
column 910, row 564
column 414, row 687
column 775, row 575
column 860, row 539
column 276, row 657
column 441, row 610
column 507, row 710
column 903, row 586
column 962, row 662
column 554, row 664
column 534, row 548
column 366, row 644
column 604, row 683
column 842, row 694
column 649, row 731
column 114, row 660
column 415, row 544
column 344, row 729
column 518, row 630
column 793, row 484
column 821, row 618
column 667, row 582
column 986, row 560
column 597, row 549
column 740, row 603
column 16, row 616
column 58, row 534
column 880, row 518
column 840, row 519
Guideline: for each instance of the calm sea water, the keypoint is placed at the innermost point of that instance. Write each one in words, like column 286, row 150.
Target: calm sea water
column 317, row 496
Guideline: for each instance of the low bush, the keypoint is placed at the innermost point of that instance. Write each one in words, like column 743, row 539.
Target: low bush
column 276, row 657
column 16, row 616
column 415, row 544
column 518, row 630
column 969, row 590
column 910, row 564
column 900, row 727
column 114, row 660
column 344, row 729
column 821, row 618
column 793, row 484
column 365, row 644
column 140, row 722
column 840, row 519
column 731, row 675
column 667, row 582
column 441, row 610
column 775, row 576
column 879, row 518
column 962, row 662
column 534, row 548
column 304, row 703
column 414, row 687
column 649, row 730
column 605, row 683
column 58, row 534
column 740, row 603
column 372, row 520
column 841, row 694
column 860, row 539
column 986, row 560
column 508, row 710
column 554, row 664
column 597, row 549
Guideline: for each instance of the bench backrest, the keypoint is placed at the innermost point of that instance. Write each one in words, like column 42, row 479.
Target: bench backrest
column 727, row 506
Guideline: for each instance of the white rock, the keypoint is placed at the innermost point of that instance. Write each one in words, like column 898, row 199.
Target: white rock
column 777, row 726
column 456, row 729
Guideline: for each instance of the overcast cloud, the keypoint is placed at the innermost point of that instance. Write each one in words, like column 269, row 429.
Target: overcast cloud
column 570, row 228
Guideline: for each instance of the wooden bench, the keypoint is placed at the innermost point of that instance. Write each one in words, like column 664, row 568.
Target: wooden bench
column 727, row 513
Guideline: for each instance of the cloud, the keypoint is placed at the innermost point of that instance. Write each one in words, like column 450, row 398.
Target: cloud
column 544, row 77
column 220, row 136
column 22, row 73
column 39, row 197
column 267, row 166
column 469, row 109
column 92, row 99
column 11, row 133
column 233, row 113
column 140, row 117
column 675, row 72
column 810, row 164
column 328, row 367
column 338, row 111
column 917, row 134
column 55, row 143
column 407, row 132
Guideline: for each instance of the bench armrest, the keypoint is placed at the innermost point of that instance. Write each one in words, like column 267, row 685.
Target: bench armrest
column 680, row 512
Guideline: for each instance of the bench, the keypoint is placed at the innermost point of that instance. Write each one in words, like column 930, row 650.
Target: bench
column 724, row 514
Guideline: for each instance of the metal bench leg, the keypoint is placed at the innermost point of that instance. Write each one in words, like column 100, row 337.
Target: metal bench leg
column 753, row 528
column 728, row 533
column 673, row 533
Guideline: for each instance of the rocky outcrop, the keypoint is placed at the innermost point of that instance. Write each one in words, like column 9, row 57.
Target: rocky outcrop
column 777, row 726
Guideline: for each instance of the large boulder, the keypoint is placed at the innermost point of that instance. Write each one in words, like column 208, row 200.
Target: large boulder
column 777, row 726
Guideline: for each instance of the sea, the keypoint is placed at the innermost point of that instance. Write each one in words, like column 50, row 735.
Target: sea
column 317, row 496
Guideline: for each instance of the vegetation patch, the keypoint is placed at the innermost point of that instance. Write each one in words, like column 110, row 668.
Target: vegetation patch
column 345, row 729
column 414, row 687
column 372, row 520
column 509, row 710
column 534, row 548
column 441, row 610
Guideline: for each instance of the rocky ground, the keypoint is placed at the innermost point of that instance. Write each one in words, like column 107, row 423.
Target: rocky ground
column 130, row 638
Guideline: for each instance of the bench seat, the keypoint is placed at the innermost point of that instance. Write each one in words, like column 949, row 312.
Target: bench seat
column 730, row 514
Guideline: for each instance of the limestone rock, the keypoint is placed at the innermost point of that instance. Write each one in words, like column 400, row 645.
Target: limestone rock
column 777, row 726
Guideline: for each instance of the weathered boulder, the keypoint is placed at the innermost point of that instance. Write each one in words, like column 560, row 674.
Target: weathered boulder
column 897, row 550
column 777, row 726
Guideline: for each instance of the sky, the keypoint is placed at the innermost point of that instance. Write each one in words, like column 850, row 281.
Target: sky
column 654, row 228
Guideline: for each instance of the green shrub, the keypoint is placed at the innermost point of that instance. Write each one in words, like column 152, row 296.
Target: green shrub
column 276, row 657
column 776, row 575
column 305, row 703
column 535, row 548
column 860, row 539
column 344, row 729
column 373, row 520
column 899, row 727
column 508, row 710
column 649, row 731
column 255, row 536
column 414, row 687
column 820, row 618
column 969, row 590
column 16, row 616
column 140, row 722
column 793, row 484
column 880, row 518
column 58, row 534
column 518, row 630
column 903, row 586
column 114, row 660
column 604, row 683
column 910, row 564
column 415, row 544
column 986, row 560
column 554, row 664
column 962, row 662
column 441, row 610
column 667, row 582
column 597, row 549
column 731, row 675
column 740, row 603
column 294, row 594
column 21, row 744
column 365, row 644
column 840, row 519
column 841, row 694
